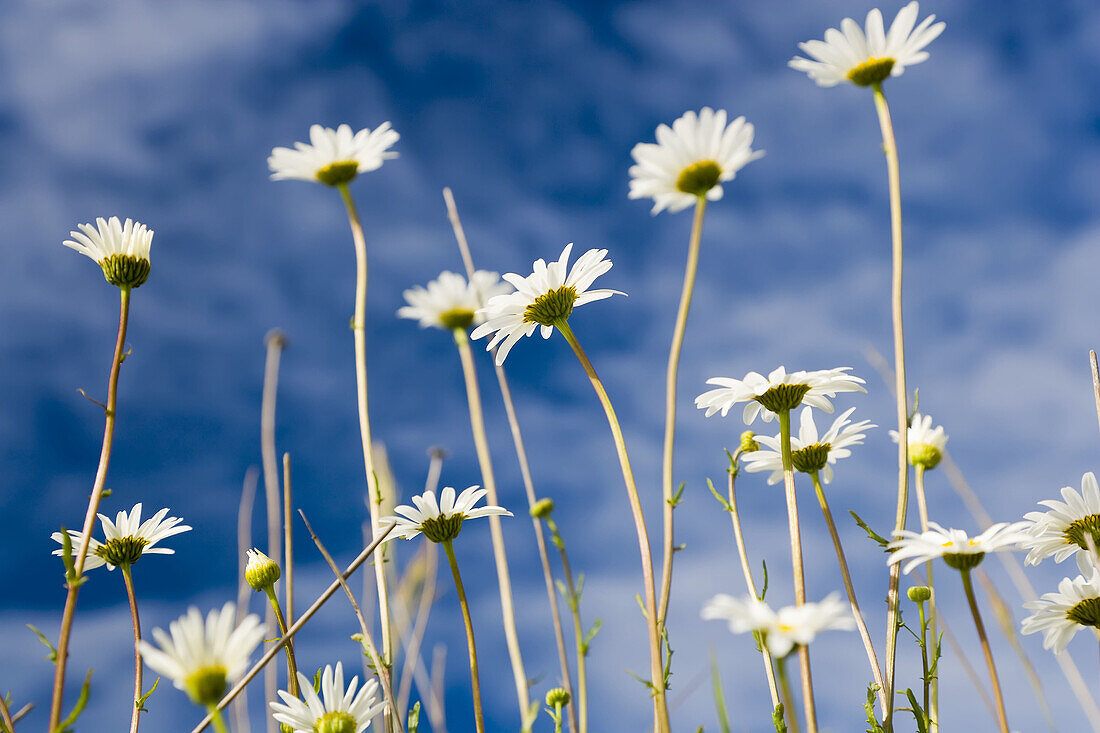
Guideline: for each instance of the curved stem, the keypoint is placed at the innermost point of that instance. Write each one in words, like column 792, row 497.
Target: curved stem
column 90, row 515
column 274, row 340
column 525, row 473
column 669, row 504
column 998, row 699
column 872, row 658
column 216, row 719
column 796, row 566
column 500, row 556
column 790, row 711
column 288, row 647
column 475, row 682
column 889, row 146
column 574, row 603
column 129, row 581
column 661, row 724
column 374, row 495
column 932, row 704
column 740, row 541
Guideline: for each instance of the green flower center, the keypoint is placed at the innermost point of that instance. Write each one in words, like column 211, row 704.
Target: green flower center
column 460, row 318
column 337, row 722
column 122, row 550
column 871, row 71
column 1086, row 613
column 812, row 458
column 125, row 271
column 206, row 685
column 783, row 397
column 963, row 561
column 1077, row 530
column 443, row 528
column 551, row 307
column 335, row 174
column 698, row 178
column 924, row 455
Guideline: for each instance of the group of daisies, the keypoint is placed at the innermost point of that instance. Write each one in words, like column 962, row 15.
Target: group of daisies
column 690, row 161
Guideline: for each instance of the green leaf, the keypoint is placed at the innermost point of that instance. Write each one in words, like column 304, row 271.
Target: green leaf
column 52, row 656
column 719, row 698
column 873, row 726
column 764, row 590
column 778, row 720
column 591, row 634
column 144, row 698
column 67, row 558
column 721, row 499
column 876, row 537
column 918, row 713
column 414, row 718
column 676, row 499
column 65, row 726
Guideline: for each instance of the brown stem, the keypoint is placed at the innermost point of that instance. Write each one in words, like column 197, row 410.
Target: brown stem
column 129, row 581
column 998, row 699
column 90, row 515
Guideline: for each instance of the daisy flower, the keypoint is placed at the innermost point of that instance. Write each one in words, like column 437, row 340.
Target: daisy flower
column 451, row 302
column 334, row 157
column 1061, row 532
column 202, row 658
column 781, row 630
column 777, row 392
column 958, row 550
column 809, row 451
column 441, row 521
column 127, row 538
column 868, row 57
column 691, row 159
column 1061, row 615
column 121, row 249
column 336, row 710
column 926, row 446
column 543, row 298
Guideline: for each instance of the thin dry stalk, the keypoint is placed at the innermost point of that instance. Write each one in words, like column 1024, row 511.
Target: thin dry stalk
column 244, row 591
column 439, row 669
column 302, row 621
column 5, row 715
column 274, row 341
column 1095, row 382
column 381, row 669
column 288, row 542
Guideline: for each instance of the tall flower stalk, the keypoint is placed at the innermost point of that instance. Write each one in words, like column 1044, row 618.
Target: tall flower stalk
column 122, row 252
column 471, row 645
column 998, row 698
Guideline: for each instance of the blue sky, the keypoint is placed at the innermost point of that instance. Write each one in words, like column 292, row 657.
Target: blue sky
column 166, row 113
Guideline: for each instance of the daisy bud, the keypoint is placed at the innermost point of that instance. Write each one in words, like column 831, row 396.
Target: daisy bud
column 920, row 593
column 557, row 696
column 261, row 572
column 542, row 508
column 748, row 442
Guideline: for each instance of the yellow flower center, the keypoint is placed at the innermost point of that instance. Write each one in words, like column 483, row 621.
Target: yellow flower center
column 698, row 178
column 871, row 71
column 335, row 174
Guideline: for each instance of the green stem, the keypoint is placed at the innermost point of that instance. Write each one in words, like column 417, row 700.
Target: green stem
column 90, row 515
column 796, row 565
column 924, row 656
column 656, row 666
column 374, row 495
column 475, row 682
column 557, row 718
column 842, row 561
column 500, row 556
column 216, row 719
column 934, row 699
column 670, row 403
column 291, row 664
column 788, row 697
column 889, row 146
column 574, row 603
column 998, row 699
column 128, row 580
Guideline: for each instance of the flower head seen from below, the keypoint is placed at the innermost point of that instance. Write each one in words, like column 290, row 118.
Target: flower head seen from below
column 334, row 157
column 203, row 657
column 338, row 709
column 781, row 630
column 441, row 521
column 1062, row 531
column 777, row 392
column 543, row 299
column 127, row 538
column 959, row 550
column 691, row 159
column 121, row 249
column 1060, row 615
column 926, row 445
column 450, row 301
column 810, row 451
column 261, row 572
column 868, row 56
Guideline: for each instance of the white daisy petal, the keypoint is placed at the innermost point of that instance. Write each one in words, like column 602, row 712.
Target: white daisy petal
column 431, row 517
column 362, row 152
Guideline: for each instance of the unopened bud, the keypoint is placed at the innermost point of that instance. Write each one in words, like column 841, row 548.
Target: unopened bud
column 557, row 696
column 542, row 508
column 748, row 442
column 261, row 572
column 920, row 593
